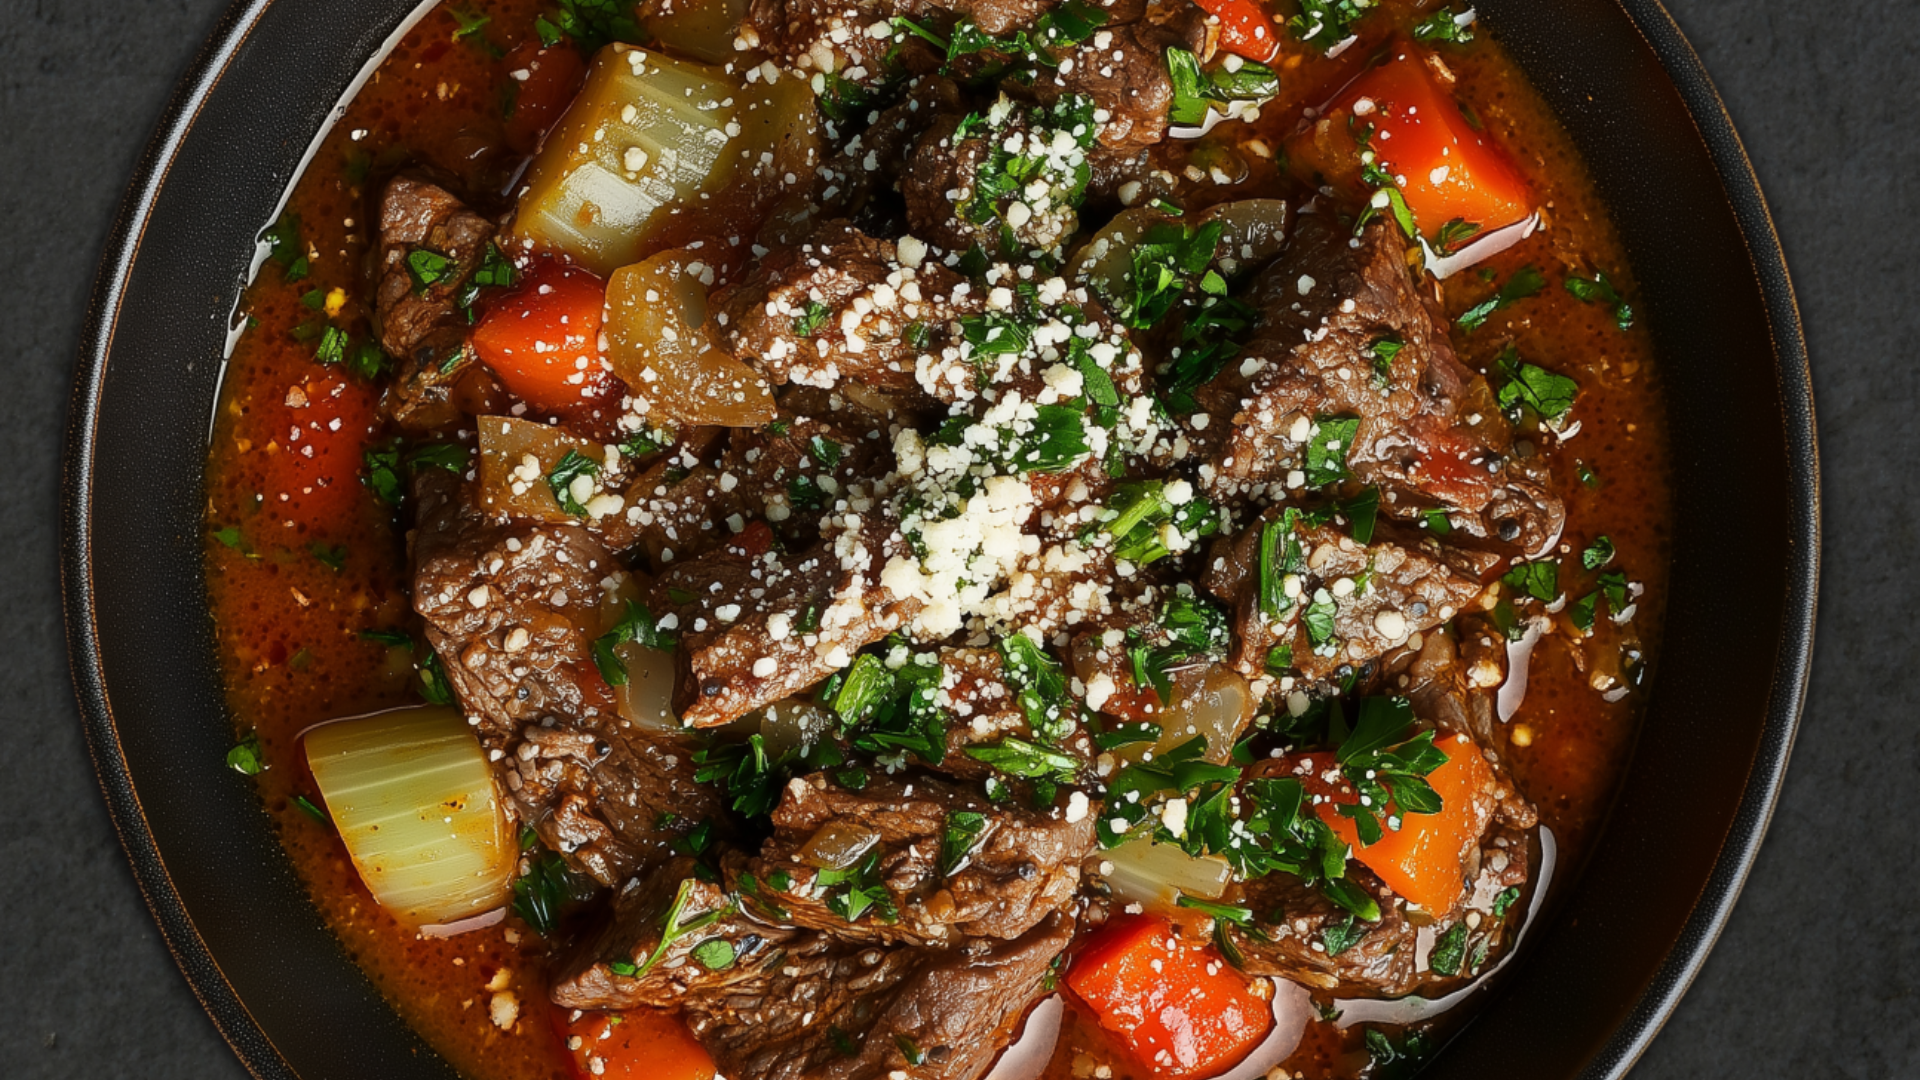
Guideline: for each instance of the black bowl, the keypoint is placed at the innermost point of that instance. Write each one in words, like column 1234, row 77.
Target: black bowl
column 1593, row 985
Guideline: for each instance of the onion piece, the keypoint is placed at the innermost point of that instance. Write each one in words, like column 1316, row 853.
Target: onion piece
column 414, row 799
column 1154, row 875
column 647, row 699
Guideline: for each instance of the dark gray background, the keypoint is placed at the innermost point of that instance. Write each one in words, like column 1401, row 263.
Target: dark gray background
column 1817, row 975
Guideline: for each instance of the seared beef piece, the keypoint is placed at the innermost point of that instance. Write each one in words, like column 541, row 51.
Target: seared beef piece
column 1432, row 437
column 1410, row 588
column 1123, row 68
column 789, row 472
column 794, row 31
column 512, row 610
column 1016, row 868
column 422, row 328
column 860, row 182
column 757, row 625
column 588, row 981
column 841, row 307
column 942, row 181
column 956, row 1009
column 984, row 709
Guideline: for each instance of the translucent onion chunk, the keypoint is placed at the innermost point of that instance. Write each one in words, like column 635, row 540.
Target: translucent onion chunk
column 655, row 313
column 414, row 799
column 1154, row 875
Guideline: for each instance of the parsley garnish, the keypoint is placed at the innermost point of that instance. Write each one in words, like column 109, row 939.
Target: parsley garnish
column 1326, row 458
column 1540, row 580
column 434, row 687
column 560, row 480
column 428, row 268
column 1598, row 290
column 964, row 830
column 1017, row 757
column 857, row 890
column 1525, row 282
column 1445, row 25
column 1326, row 23
column 1534, row 387
column 1362, row 510
column 1383, row 773
column 591, row 24
column 1450, row 951
column 332, row 556
column 811, row 318
column 1196, row 90
column 1280, row 556
column 494, row 271
column 825, row 451
column 246, row 757
column 1597, row 554
column 1341, row 936
column 285, row 249
column 672, row 930
column 1384, row 350
column 636, row 624
column 1505, row 900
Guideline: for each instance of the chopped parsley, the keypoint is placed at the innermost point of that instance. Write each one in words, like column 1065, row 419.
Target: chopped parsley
column 1540, row 580
column 494, row 271
column 1598, row 290
column 855, row 891
column 1197, row 90
column 672, row 930
column 1527, row 385
column 1384, row 351
column 428, row 268
column 961, row 837
column 285, row 249
column 1597, row 554
column 1324, row 24
column 569, row 468
column 825, row 451
column 1280, row 556
column 1525, row 282
column 1387, row 769
column 1362, row 511
column 1326, row 457
column 1449, row 951
column 811, row 318
column 636, row 624
column 332, row 556
column 246, row 757
column 434, row 688
column 1446, row 25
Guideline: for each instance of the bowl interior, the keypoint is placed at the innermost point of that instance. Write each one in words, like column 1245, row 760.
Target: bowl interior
column 1592, row 987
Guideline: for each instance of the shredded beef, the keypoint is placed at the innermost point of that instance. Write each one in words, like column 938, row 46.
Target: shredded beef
column 757, row 625
column 825, row 1009
column 1019, row 866
column 1409, row 588
column 512, row 610
column 1430, row 436
column 423, row 328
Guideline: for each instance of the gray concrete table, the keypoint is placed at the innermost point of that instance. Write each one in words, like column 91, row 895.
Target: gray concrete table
column 1818, row 975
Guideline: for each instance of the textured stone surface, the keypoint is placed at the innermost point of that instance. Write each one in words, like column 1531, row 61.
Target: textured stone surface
column 1818, row 973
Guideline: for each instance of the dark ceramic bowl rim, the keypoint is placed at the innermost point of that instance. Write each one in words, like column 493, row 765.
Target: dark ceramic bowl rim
column 1657, row 996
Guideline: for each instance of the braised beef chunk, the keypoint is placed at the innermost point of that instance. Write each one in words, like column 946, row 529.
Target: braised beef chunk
column 512, row 611
column 1122, row 67
column 842, row 306
column 914, row 859
column 757, row 625
column 634, row 962
column 984, row 707
column 859, row 182
column 416, row 315
column 1340, row 603
column 968, row 181
column 825, row 1009
column 1344, row 333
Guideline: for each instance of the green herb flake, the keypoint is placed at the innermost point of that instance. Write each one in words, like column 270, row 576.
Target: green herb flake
column 1528, row 385
column 1598, row 290
column 1540, row 580
column 560, row 480
column 246, row 757
column 1450, row 951
column 1525, row 282
column 1446, row 25
column 1597, row 554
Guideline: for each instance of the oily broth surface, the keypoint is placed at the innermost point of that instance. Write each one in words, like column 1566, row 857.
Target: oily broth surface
column 288, row 624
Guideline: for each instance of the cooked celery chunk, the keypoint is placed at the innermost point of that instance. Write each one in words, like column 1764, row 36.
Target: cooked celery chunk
column 414, row 799
column 646, row 133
